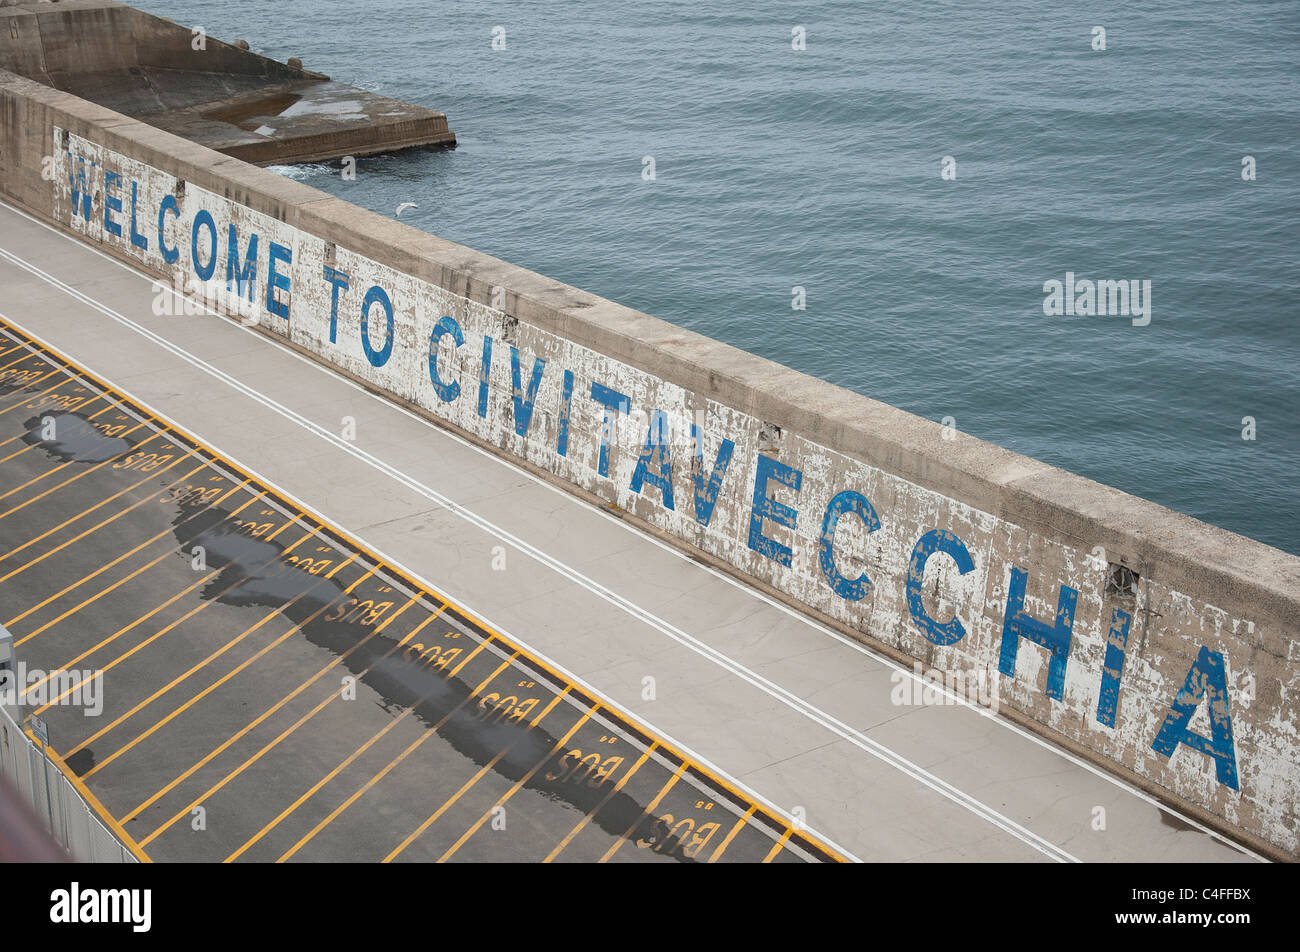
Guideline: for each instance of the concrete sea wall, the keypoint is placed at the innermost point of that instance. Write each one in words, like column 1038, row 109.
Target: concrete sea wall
column 1156, row 645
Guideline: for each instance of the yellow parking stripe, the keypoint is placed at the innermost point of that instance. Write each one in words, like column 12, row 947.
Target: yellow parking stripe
column 559, row 745
column 85, row 472
column 152, row 638
column 104, row 591
column 311, row 791
column 247, row 763
column 182, row 677
column 16, row 360
column 563, row 844
column 144, row 617
column 251, row 725
column 648, row 811
column 778, row 845
column 126, row 555
column 80, row 515
column 98, row 396
column 39, row 395
column 337, row 811
column 100, row 525
column 148, row 641
column 731, row 835
column 50, row 472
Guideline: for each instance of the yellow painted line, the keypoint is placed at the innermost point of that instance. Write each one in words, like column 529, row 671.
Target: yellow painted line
column 138, row 571
column 100, row 525
column 234, row 738
column 117, row 584
column 648, row 811
column 80, row 515
column 125, row 555
column 18, row 452
column 35, row 479
column 130, row 450
column 85, row 472
column 311, row 791
column 16, row 360
column 181, row 709
column 164, row 631
column 39, row 395
column 93, row 802
column 334, row 814
column 154, row 637
column 778, row 845
column 365, row 550
column 478, row 776
column 564, row 843
column 132, row 651
column 121, row 631
column 176, row 712
column 98, row 396
column 731, row 835
column 559, row 745
column 240, row 769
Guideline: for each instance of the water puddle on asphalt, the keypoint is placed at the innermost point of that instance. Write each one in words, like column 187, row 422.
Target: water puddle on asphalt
column 73, row 437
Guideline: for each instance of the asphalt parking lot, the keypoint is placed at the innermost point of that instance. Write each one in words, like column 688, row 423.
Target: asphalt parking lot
column 271, row 690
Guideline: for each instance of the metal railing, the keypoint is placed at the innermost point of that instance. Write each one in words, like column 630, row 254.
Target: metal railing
column 54, row 799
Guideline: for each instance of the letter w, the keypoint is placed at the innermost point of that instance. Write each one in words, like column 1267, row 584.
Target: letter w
column 79, row 186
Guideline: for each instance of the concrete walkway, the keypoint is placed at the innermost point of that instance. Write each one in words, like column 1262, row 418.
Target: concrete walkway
column 794, row 714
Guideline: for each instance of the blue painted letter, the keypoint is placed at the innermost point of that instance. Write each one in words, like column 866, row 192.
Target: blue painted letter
column 236, row 276
column 1112, row 667
column 1055, row 637
column 852, row 589
column 566, row 408
column 168, row 204
column 377, row 295
column 338, row 281
column 614, row 402
column 765, row 507
column 112, row 203
column 524, row 402
column 1207, row 676
column 656, row 452
column 936, row 540
column 447, row 392
column 706, row 494
column 484, row 370
column 79, row 187
column 277, row 254
column 204, row 220
column 137, row 239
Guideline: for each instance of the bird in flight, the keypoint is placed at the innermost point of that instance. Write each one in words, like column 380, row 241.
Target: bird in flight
column 404, row 206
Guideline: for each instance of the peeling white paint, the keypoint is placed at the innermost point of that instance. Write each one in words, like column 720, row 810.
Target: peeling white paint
column 1168, row 627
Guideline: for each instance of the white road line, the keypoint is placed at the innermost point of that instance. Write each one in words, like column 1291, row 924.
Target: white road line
column 793, row 701
column 640, row 723
column 884, row 659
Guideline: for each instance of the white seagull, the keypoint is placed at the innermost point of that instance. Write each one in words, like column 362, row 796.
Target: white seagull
column 405, row 205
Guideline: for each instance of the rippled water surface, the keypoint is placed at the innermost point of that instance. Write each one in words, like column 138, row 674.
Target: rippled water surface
column 821, row 168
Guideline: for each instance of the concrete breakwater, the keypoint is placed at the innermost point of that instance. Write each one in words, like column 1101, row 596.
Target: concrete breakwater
column 220, row 94
column 1160, row 647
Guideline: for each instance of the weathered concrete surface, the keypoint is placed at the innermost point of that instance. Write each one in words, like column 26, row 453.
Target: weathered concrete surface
column 859, row 749
column 230, row 99
column 1201, row 648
